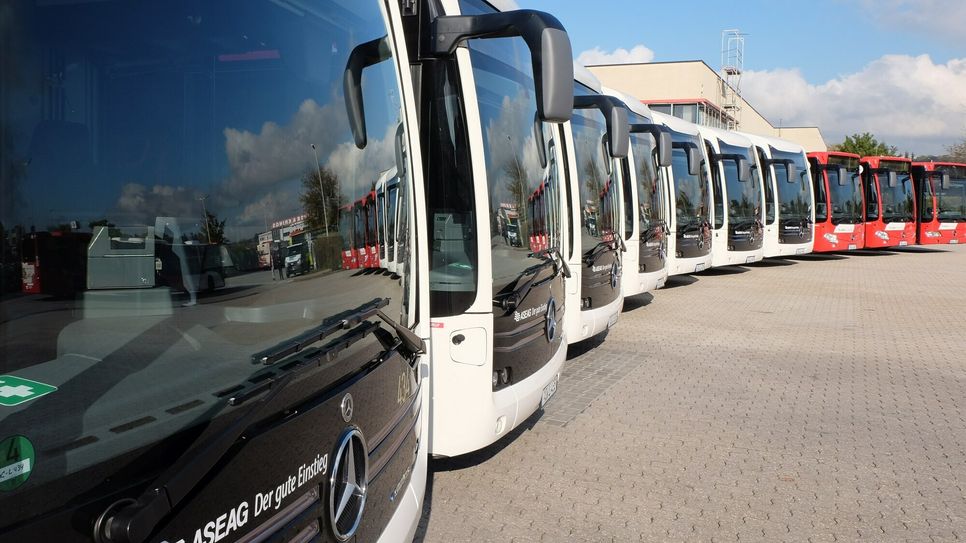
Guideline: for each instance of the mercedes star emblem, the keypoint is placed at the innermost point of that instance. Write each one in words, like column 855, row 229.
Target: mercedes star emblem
column 348, row 484
column 347, row 407
column 550, row 326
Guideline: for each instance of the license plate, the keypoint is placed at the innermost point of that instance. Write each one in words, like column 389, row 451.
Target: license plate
column 698, row 267
column 801, row 251
column 749, row 260
column 853, row 246
column 903, row 243
column 549, row 390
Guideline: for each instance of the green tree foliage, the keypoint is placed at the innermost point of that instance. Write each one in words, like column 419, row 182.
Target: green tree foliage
column 213, row 230
column 865, row 144
column 311, row 197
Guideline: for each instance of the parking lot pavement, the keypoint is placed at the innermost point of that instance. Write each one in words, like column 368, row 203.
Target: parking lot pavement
column 821, row 398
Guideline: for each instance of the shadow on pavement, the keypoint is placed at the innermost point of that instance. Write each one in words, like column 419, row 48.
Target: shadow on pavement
column 587, row 345
column 773, row 262
column 679, row 281
column 873, row 252
column 816, row 257
column 917, row 249
column 725, row 270
column 636, row 302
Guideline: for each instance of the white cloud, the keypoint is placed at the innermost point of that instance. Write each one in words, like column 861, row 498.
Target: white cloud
column 910, row 102
column 939, row 18
column 596, row 56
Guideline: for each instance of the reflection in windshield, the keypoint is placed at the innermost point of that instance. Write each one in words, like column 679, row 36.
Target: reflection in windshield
column 598, row 194
column 846, row 199
column 651, row 210
column 744, row 198
column 897, row 202
column 951, row 202
column 161, row 188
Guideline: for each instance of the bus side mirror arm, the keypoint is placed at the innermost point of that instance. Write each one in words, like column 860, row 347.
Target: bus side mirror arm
column 550, row 51
column 615, row 113
column 663, row 138
column 362, row 56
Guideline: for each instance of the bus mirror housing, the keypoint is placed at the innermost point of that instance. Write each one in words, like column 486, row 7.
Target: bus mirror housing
column 842, row 173
column 663, row 138
column 946, row 181
column 615, row 114
column 362, row 56
column 893, row 179
column 694, row 160
column 744, row 170
column 792, row 171
column 550, row 51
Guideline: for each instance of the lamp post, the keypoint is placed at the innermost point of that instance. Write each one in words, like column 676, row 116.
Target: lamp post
column 325, row 211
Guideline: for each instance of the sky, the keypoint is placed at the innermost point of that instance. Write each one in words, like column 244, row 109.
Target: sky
column 895, row 68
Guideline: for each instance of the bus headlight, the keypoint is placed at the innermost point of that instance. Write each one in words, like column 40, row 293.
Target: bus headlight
column 882, row 235
column 831, row 238
column 933, row 234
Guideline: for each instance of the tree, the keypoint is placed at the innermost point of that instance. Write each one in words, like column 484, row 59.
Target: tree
column 312, row 199
column 865, row 145
column 213, row 230
column 957, row 151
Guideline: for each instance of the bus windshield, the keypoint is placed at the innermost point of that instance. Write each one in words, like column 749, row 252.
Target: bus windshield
column 693, row 198
column 172, row 137
column 744, row 198
column 598, row 195
column 898, row 202
column 794, row 196
column 951, row 202
column 846, row 199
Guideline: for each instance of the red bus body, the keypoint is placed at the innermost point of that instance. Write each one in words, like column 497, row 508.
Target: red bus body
column 890, row 212
column 54, row 263
column 839, row 205
column 350, row 256
column 942, row 209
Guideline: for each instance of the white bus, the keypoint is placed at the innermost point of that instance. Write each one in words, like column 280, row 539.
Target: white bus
column 596, row 139
column 789, row 197
column 388, row 222
column 689, row 196
column 738, row 198
column 293, row 411
column 645, row 209
column 488, row 114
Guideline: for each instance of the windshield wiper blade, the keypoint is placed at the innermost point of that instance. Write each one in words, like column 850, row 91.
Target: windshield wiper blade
column 342, row 321
column 511, row 300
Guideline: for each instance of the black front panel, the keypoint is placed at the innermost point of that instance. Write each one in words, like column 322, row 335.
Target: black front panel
column 652, row 255
column 694, row 242
column 745, row 237
column 795, row 230
column 527, row 336
column 600, row 282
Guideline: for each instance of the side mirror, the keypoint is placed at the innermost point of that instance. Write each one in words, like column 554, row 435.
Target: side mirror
column 615, row 113
column 947, row 182
column 744, row 170
column 663, row 138
column 362, row 56
column 550, row 51
column 694, row 160
column 792, row 171
column 842, row 173
column 893, row 179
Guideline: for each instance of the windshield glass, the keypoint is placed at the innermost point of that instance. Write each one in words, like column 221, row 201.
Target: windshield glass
column 651, row 210
column 795, row 195
column 598, row 195
column 693, row 199
column 951, row 202
column 898, row 202
column 846, row 199
column 151, row 148
column 744, row 198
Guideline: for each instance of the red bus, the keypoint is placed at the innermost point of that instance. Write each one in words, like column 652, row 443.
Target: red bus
column 839, row 203
column 54, row 263
column 941, row 200
column 350, row 256
column 890, row 203
column 371, row 224
column 538, row 216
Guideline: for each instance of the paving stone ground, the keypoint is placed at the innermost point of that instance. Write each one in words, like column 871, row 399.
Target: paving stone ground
column 821, row 398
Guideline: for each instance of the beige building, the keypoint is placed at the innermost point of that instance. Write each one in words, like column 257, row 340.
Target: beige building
column 693, row 91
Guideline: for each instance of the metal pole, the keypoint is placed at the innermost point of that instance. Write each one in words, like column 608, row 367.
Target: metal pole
column 325, row 211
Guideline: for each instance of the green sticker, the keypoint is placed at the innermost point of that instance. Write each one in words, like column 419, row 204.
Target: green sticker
column 17, row 390
column 16, row 462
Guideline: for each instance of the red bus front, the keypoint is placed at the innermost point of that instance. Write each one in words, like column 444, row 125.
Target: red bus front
column 350, row 259
column 890, row 204
column 839, row 203
column 941, row 201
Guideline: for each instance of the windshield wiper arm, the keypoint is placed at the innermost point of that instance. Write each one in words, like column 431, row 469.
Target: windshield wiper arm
column 511, row 300
column 314, row 335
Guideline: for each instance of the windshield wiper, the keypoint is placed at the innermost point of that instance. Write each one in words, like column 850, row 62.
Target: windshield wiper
column 511, row 300
column 343, row 321
column 133, row 521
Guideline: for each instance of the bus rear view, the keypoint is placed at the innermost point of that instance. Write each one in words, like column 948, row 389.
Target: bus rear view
column 839, row 215
column 890, row 204
column 941, row 201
